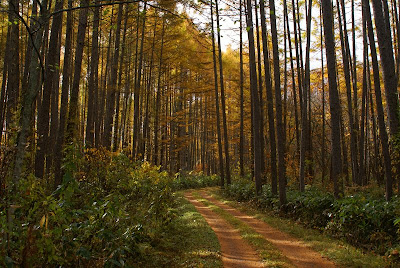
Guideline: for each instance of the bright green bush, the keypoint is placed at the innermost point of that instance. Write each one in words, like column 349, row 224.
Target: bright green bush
column 194, row 180
column 365, row 221
column 242, row 190
column 110, row 214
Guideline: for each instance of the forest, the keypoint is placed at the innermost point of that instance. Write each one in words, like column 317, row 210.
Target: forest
column 133, row 131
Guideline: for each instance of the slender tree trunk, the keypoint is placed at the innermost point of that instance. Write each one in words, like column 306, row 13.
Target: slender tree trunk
column 13, row 79
column 255, row 100
column 270, row 102
column 298, row 66
column 333, row 95
column 379, row 105
column 35, row 69
column 3, row 103
column 260, row 87
column 323, row 149
column 221, row 78
column 112, row 87
column 382, row 23
column 346, row 67
column 55, row 97
column 48, row 84
column 74, row 96
column 93, row 84
column 241, row 144
column 146, row 125
column 116, row 136
column 304, row 121
column 362, row 171
column 136, row 94
column 220, row 155
column 278, row 107
column 357, row 164
column 158, row 97
column 58, row 149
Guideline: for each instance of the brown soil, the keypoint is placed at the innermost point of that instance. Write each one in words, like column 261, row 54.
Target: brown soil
column 234, row 250
column 296, row 251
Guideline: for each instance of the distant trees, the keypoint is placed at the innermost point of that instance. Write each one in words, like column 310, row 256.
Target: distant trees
column 143, row 79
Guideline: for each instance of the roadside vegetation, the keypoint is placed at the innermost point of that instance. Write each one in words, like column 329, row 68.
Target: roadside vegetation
column 109, row 211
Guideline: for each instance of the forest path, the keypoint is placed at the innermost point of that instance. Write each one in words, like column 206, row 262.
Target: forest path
column 293, row 249
column 234, row 250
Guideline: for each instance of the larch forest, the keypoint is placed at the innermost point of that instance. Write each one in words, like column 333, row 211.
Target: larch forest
column 127, row 127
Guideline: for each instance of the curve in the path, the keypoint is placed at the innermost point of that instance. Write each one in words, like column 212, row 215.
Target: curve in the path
column 234, row 250
column 296, row 251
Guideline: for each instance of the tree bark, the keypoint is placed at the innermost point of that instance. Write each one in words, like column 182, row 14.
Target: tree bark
column 379, row 106
column 333, row 95
column 43, row 146
column 255, row 99
column 270, row 101
column 93, row 84
column 223, row 105
column 278, row 107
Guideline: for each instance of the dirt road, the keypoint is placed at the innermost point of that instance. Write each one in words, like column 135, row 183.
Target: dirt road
column 237, row 253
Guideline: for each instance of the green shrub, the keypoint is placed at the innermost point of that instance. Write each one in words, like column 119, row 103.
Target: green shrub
column 242, row 190
column 311, row 207
column 365, row 222
column 194, row 180
column 110, row 216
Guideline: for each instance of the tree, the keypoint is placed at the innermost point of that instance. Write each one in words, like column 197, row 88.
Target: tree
column 278, row 107
column 336, row 169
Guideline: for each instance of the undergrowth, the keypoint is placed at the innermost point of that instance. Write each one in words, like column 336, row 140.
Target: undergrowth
column 108, row 212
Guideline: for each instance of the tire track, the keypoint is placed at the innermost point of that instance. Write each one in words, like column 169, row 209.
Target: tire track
column 296, row 251
column 234, row 250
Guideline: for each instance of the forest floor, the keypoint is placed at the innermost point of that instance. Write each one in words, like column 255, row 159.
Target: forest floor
column 248, row 241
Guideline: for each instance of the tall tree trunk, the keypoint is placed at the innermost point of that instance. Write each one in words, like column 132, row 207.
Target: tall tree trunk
column 255, row 100
column 304, row 118
column 35, row 69
column 241, row 143
column 223, row 106
column 382, row 23
column 333, row 95
column 347, row 71
column 55, row 97
column 13, row 79
column 93, row 84
column 44, row 111
column 58, row 148
column 146, row 124
column 294, row 91
column 136, row 94
column 260, row 87
column 74, row 96
column 379, row 105
column 270, row 101
column 158, row 97
column 323, row 149
column 3, row 103
column 112, row 87
column 278, row 107
column 362, row 172
column 220, row 154
column 116, row 136
column 298, row 64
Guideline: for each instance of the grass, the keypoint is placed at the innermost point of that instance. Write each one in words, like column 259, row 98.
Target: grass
column 338, row 251
column 270, row 255
column 187, row 242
